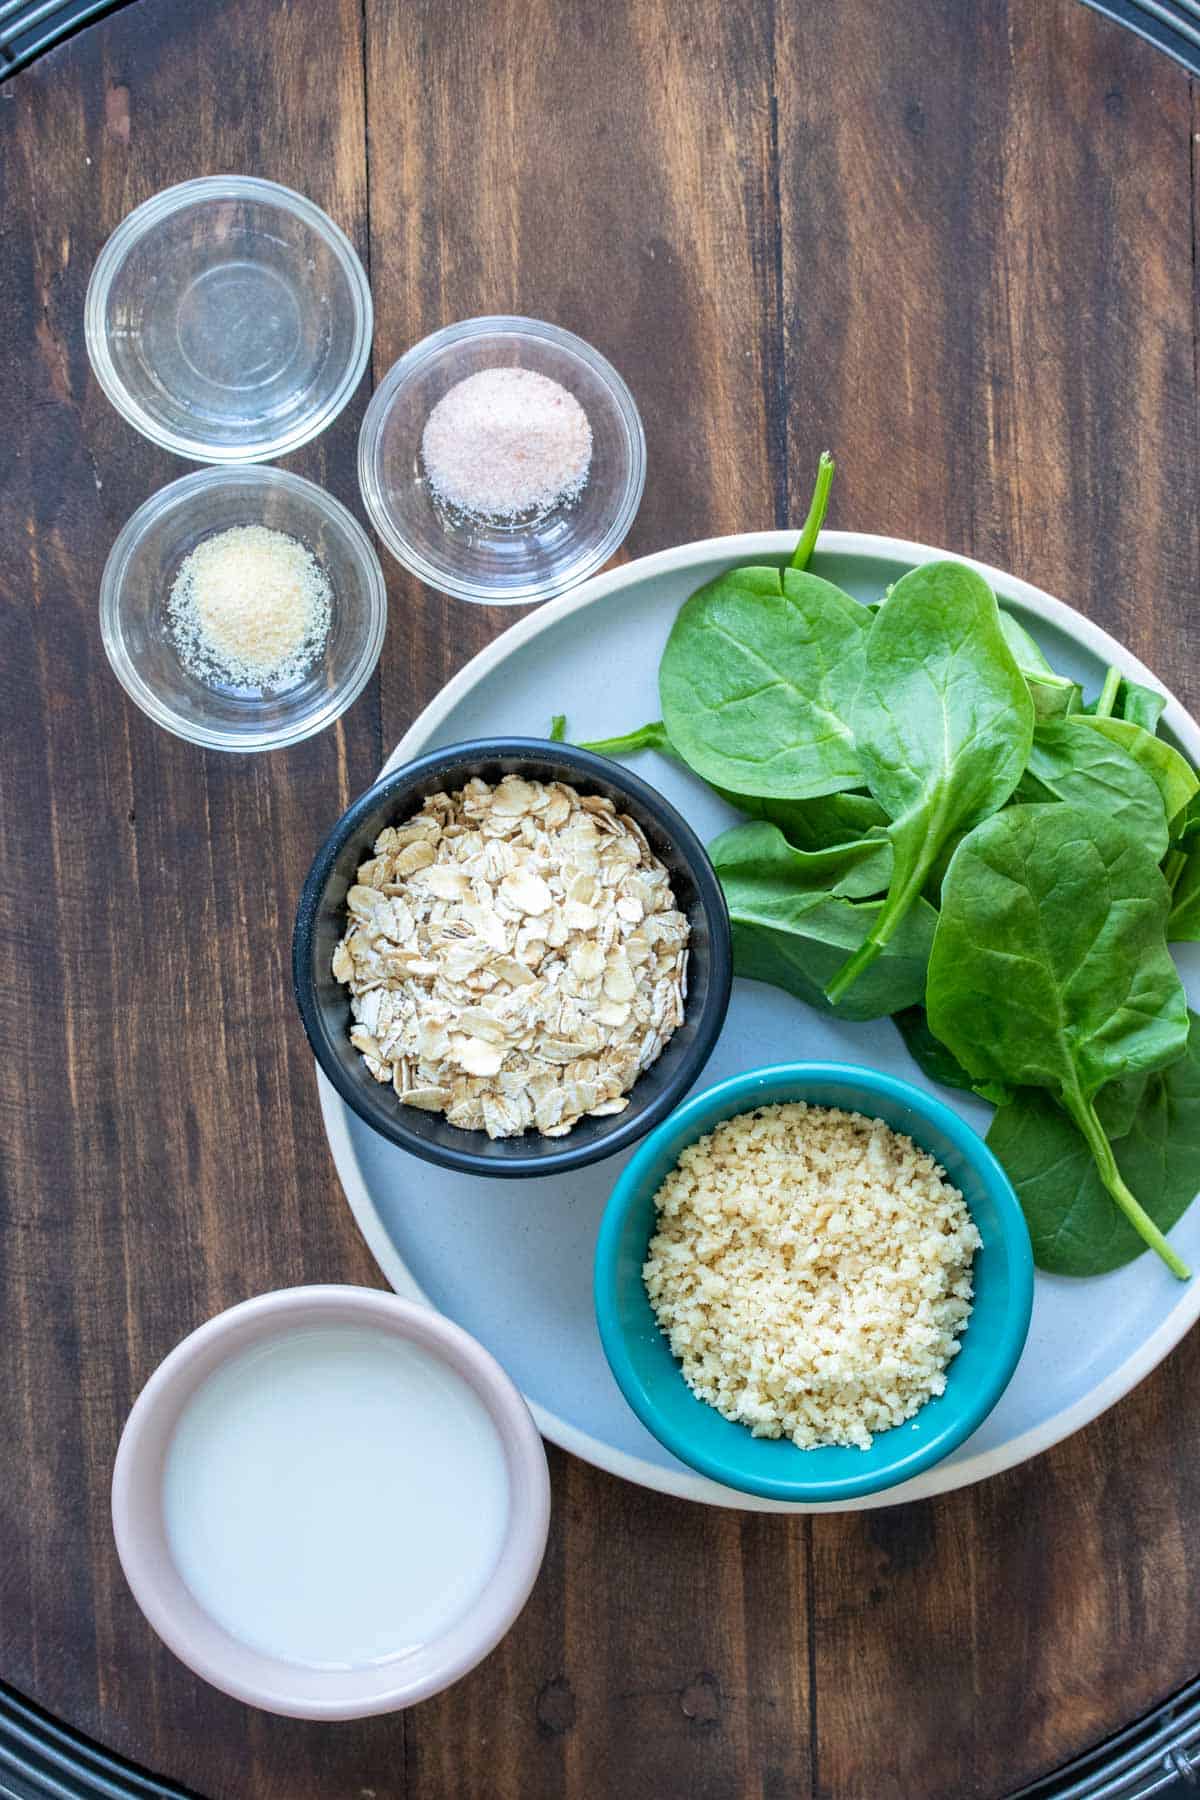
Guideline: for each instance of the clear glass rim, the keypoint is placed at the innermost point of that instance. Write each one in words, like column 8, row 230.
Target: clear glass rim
column 371, row 434
column 337, row 700
column 151, row 213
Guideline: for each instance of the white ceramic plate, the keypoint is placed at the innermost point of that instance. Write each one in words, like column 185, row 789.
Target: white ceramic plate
column 512, row 1260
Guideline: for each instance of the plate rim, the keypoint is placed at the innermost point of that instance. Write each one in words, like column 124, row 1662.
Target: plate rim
column 741, row 547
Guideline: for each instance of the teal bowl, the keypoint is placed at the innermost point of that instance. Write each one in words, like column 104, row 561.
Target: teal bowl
column 651, row 1379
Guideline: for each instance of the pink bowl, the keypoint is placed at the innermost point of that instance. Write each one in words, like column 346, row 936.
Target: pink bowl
column 205, row 1646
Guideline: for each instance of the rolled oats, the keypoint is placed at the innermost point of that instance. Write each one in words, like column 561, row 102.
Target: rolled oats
column 515, row 958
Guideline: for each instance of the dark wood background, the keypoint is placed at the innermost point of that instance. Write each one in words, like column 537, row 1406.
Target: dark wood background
column 955, row 244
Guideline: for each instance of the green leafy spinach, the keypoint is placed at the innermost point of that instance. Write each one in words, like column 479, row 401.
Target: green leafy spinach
column 943, row 725
column 1050, row 969
column 1069, row 762
column 1153, row 1124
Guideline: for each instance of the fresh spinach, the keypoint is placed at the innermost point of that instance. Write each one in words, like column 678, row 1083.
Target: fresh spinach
column 1054, row 696
column 647, row 737
column 1176, row 779
column 1141, row 705
column 558, row 728
column 933, row 1059
column 1153, row 1124
column 943, row 725
column 1186, row 825
column 796, row 941
column 1027, row 653
column 757, row 855
column 1128, row 700
column 818, row 824
column 756, row 668
column 1050, row 968
column 794, row 937
column 1106, row 699
column 1069, row 762
column 757, row 681
column 811, row 529
column 1183, row 925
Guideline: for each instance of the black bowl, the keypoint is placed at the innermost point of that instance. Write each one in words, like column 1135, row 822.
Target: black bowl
column 325, row 1004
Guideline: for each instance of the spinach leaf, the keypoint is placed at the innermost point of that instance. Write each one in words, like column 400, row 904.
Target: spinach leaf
column 795, row 941
column 558, row 728
column 1054, row 696
column 1153, row 1124
column 758, row 855
column 816, row 824
column 1177, row 781
column 933, row 1059
column 1050, row 968
column 830, row 819
column 1026, row 651
column 1128, row 700
column 794, row 937
column 757, row 681
column 1183, row 925
column 1069, row 762
column 1140, row 705
column 943, row 723
column 1186, row 825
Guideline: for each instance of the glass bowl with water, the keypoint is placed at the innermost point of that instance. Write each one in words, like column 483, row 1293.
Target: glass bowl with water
column 500, row 561
column 144, row 646
column 228, row 319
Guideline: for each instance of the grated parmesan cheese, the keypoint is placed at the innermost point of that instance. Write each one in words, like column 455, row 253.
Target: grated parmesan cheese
column 505, row 443
column 251, row 607
column 812, row 1272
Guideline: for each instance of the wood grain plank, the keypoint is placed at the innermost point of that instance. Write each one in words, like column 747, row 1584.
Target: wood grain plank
column 163, row 1154
column 612, row 173
column 986, row 252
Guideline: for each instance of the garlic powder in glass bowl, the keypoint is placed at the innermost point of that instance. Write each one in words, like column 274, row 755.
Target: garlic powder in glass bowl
column 215, row 685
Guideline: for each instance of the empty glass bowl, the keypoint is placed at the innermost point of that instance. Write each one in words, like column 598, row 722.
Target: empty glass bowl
column 505, row 563
column 228, row 319
column 140, row 573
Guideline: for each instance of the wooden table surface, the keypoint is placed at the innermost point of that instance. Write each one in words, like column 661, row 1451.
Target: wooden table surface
column 956, row 245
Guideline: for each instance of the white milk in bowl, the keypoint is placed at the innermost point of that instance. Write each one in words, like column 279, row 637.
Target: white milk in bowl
column 336, row 1496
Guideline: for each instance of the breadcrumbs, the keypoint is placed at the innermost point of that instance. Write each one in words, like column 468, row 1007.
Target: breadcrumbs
column 812, row 1273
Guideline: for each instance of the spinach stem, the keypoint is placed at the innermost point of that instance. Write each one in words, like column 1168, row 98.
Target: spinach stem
column 558, row 728
column 1108, row 694
column 891, row 915
column 1174, row 863
column 1084, row 1114
column 816, row 512
column 646, row 737
column 852, row 968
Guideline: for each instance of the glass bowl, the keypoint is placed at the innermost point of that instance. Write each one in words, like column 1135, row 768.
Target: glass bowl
column 228, row 319
column 141, row 569
column 497, row 562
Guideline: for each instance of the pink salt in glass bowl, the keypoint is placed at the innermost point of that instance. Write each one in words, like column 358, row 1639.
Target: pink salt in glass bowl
column 271, row 1682
column 500, row 562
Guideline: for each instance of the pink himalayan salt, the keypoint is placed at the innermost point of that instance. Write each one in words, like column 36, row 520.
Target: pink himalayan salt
column 506, row 442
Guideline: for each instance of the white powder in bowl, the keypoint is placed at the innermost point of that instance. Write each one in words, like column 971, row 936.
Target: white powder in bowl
column 505, row 443
column 250, row 606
